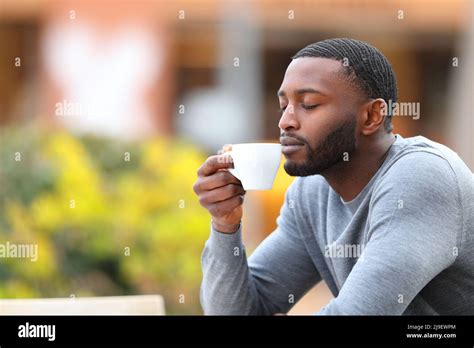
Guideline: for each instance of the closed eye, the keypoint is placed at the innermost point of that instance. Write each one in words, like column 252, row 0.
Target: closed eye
column 309, row 107
column 304, row 106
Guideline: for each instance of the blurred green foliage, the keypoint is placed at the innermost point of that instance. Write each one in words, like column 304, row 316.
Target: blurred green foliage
column 109, row 217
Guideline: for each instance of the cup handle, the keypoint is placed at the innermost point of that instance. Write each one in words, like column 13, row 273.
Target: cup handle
column 232, row 171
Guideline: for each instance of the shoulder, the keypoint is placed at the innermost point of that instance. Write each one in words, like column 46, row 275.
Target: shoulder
column 421, row 179
column 430, row 154
column 419, row 163
column 416, row 162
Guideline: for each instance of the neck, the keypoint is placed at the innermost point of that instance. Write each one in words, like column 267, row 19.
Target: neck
column 348, row 178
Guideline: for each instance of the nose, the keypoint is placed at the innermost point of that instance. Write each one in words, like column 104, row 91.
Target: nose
column 288, row 119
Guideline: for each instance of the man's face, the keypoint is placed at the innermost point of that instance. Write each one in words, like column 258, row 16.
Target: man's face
column 319, row 109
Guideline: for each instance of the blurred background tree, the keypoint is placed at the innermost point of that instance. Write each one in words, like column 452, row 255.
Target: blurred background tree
column 109, row 217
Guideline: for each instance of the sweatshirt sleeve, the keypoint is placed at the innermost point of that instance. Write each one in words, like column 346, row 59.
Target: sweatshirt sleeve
column 275, row 277
column 414, row 232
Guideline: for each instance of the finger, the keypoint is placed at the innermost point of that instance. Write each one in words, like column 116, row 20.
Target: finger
column 224, row 149
column 220, row 209
column 219, row 179
column 227, row 147
column 220, row 194
column 214, row 163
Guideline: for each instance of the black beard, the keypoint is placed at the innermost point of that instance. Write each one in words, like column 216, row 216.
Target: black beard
column 328, row 153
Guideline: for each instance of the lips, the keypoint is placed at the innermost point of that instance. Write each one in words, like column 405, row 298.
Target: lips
column 290, row 145
column 287, row 141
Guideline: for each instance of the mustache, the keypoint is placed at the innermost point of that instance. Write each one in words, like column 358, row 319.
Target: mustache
column 294, row 136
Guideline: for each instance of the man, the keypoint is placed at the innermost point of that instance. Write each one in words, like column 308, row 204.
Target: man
column 387, row 222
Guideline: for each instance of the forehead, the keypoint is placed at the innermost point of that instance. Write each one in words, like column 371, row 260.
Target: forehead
column 320, row 73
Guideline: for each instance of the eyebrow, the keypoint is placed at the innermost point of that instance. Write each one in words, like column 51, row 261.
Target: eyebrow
column 281, row 93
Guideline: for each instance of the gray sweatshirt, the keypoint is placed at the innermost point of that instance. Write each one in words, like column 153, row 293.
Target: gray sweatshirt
column 404, row 245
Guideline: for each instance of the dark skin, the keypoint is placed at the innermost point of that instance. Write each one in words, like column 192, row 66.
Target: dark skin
column 340, row 129
column 337, row 101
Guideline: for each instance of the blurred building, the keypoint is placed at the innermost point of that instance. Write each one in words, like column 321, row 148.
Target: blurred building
column 210, row 69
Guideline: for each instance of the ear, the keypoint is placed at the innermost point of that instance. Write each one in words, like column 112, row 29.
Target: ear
column 374, row 113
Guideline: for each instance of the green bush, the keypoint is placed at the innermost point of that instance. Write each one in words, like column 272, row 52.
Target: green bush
column 109, row 217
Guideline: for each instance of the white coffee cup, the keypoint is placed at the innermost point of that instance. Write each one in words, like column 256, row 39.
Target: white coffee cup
column 255, row 164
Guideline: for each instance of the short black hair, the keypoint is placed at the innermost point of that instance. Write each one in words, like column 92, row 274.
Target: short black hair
column 364, row 64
